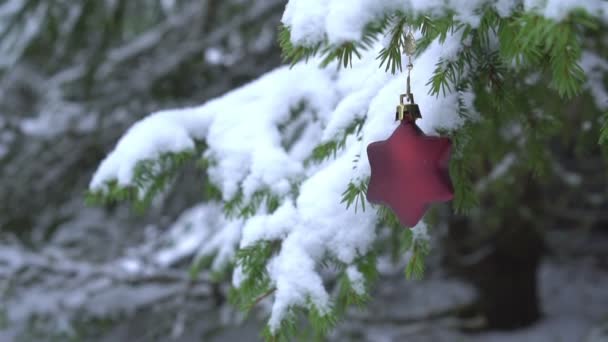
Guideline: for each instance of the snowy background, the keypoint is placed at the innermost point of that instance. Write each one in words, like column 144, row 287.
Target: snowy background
column 75, row 104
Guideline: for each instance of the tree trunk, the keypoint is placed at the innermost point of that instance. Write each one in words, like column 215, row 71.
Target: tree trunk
column 501, row 260
column 506, row 279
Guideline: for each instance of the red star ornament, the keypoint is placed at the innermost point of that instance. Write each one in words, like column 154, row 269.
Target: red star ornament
column 409, row 171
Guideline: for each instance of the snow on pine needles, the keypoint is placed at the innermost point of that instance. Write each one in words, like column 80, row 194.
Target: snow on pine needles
column 260, row 141
column 245, row 132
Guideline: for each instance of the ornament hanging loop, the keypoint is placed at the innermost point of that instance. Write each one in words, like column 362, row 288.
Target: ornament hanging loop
column 409, row 110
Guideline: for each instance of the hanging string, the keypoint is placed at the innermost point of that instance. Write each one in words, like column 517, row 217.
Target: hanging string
column 409, row 46
column 408, row 110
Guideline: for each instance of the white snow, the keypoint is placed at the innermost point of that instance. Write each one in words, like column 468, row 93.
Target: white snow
column 595, row 68
column 214, row 55
column 270, row 226
column 420, row 231
column 306, row 19
column 6, row 138
column 573, row 300
column 165, row 131
column 168, row 4
column 16, row 38
column 356, row 279
column 559, row 9
column 245, row 132
column 204, row 231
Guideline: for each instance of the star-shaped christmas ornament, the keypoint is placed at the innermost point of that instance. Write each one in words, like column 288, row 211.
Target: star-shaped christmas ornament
column 409, row 171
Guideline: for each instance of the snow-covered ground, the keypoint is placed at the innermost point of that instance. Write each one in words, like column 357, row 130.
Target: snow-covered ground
column 573, row 287
column 574, row 295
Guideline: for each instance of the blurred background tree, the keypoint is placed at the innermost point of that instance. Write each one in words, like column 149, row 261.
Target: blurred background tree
column 74, row 75
column 73, row 72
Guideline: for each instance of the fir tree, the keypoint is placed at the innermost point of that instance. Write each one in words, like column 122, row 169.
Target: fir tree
column 284, row 156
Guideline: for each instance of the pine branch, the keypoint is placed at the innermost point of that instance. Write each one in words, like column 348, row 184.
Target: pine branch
column 291, row 53
column 355, row 194
column 237, row 207
column 331, row 148
column 150, row 178
column 415, row 266
column 391, row 55
column 263, row 296
column 603, row 139
column 343, row 53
